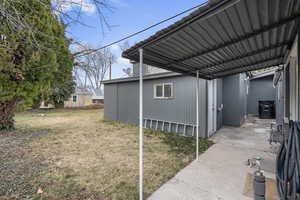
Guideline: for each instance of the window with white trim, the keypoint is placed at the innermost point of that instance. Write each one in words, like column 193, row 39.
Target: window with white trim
column 163, row 91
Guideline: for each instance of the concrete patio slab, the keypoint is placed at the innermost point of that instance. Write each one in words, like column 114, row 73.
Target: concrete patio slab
column 220, row 172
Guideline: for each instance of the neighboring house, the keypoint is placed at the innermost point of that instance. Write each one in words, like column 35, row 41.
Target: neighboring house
column 80, row 99
column 170, row 102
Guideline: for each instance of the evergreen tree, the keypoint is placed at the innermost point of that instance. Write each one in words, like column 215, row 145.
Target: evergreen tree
column 31, row 60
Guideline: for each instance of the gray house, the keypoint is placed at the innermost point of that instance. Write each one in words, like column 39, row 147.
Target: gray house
column 170, row 101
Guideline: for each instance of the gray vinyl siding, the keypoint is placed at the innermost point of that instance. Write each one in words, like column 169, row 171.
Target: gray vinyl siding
column 234, row 99
column 121, row 102
column 261, row 89
column 110, row 102
column 128, row 103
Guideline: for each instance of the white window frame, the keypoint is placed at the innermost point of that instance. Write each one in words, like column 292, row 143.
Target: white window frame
column 163, row 91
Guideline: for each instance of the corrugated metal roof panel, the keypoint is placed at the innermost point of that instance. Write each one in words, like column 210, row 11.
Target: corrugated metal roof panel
column 230, row 32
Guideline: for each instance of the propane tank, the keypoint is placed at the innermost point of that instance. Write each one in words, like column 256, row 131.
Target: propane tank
column 259, row 182
column 259, row 185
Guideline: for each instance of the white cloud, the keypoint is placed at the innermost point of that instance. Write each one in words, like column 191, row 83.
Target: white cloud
column 68, row 5
column 123, row 61
column 115, row 47
column 119, row 3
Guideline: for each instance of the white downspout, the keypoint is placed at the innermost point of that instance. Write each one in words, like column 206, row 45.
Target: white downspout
column 141, row 133
column 197, row 116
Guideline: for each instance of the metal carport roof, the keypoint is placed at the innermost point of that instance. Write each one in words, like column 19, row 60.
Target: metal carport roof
column 224, row 38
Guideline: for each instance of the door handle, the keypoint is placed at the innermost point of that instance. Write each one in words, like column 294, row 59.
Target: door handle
column 221, row 108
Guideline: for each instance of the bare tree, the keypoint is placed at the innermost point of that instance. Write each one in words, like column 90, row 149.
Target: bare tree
column 124, row 46
column 92, row 68
column 68, row 11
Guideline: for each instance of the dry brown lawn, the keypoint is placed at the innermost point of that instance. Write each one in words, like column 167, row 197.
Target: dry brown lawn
column 75, row 154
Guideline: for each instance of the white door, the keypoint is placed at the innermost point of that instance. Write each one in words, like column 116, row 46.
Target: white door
column 212, row 107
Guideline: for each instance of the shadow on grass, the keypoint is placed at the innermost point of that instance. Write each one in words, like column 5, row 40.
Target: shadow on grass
column 178, row 144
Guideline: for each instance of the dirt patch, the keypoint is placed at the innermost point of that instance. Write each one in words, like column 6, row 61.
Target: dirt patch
column 19, row 164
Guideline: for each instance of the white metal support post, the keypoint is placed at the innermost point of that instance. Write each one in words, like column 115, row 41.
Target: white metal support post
column 197, row 117
column 141, row 131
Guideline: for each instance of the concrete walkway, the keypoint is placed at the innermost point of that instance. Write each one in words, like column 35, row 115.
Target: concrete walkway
column 221, row 171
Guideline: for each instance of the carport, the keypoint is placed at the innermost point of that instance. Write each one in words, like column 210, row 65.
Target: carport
column 222, row 38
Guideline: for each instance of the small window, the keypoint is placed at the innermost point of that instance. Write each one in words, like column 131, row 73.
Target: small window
column 168, row 90
column 159, row 91
column 163, row 91
column 74, row 99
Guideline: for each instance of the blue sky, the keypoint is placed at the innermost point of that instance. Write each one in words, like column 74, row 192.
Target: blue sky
column 127, row 17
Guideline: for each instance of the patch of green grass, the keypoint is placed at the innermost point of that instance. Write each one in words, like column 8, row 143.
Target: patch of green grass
column 178, row 144
column 181, row 151
column 118, row 124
